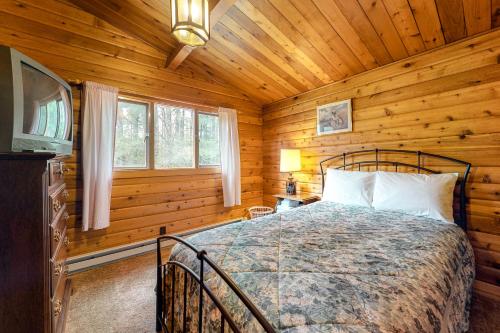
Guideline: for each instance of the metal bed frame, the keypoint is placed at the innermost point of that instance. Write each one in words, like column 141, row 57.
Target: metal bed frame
column 165, row 302
column 419, row 166
column 162, row 322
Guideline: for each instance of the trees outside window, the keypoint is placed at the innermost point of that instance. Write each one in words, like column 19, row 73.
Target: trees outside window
column 179, row 137
column 131, row 144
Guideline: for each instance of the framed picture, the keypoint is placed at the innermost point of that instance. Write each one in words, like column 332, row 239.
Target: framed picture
column 334, row 117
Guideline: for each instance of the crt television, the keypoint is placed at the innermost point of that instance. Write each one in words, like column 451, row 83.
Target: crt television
column 36, row 109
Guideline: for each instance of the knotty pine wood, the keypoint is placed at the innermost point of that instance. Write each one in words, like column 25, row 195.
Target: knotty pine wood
column 271, row 48
column 79, row 46
column 446, row 102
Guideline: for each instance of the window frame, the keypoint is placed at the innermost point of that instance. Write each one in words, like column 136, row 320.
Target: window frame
column 147, row 137
column 150, row 135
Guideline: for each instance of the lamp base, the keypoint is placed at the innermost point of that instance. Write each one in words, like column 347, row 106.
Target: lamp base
column 291, row 187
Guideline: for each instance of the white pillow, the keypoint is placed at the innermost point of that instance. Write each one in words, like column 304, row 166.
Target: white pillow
column 349, row 187
column 416, row 194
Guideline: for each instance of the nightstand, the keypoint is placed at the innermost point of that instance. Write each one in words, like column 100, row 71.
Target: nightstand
column 286, row 201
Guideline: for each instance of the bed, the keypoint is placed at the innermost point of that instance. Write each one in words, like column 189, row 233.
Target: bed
column 324, row 267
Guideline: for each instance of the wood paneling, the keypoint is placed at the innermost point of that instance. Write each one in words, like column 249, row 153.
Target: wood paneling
column 79, row 46
column 273, row 49
column 446, row 101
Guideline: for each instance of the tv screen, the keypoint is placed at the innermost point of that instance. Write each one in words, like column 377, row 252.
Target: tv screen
column 47, row 107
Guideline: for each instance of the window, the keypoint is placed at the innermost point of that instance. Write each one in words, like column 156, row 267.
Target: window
column 174, row 137
column 208, row 138
column 178, row 136
column 131, row 137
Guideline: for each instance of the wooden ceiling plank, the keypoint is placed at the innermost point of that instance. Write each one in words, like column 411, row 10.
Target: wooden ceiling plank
column 382, row 23
column 427, row 18
column 294, row 16
column 99, row 9
column 269, row 26
column 477, row 16
column 52, row 32
column 253, row 35
column 183, row 51
column 495, row 13
column 321, row 25
column 403, row 20
column 100, row 64
column 451, row 15
column 219, row 11
column 363, row 27
column 63, row 16
column 250, row 67
column 237, row 72
column 229, row 41
column 340, row 24
column 240, row 81
column 250, row 51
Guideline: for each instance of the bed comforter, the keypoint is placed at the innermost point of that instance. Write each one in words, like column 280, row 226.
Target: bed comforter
column 327, row 267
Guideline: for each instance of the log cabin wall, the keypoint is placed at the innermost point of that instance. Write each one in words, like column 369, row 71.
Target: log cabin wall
column 78, row 46
column 446, row 101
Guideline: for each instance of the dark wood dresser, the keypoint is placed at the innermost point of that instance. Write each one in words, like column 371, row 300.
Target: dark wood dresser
column 34, row 289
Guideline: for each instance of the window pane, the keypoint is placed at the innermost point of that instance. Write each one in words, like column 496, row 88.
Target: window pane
column 52, row 119
column 130, row 137
column 208, row 133
column 61, row 128
column 174, row 131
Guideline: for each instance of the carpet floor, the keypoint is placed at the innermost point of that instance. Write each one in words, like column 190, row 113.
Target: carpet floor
column 119, row 298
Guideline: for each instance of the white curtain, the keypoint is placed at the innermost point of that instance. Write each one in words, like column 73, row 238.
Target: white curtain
column 98, row 133
column 230, row 157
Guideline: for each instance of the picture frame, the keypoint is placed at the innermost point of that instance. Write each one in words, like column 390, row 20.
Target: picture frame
column 334, row 117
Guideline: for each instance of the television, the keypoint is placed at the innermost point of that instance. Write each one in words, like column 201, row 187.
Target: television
column 36, row 108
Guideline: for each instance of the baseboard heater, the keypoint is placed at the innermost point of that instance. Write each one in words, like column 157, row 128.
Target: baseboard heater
column 92, row 260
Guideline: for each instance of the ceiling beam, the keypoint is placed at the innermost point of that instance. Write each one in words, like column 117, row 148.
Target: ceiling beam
column 183, row 51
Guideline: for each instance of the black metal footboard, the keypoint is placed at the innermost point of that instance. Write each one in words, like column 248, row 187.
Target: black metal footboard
column 166, row 300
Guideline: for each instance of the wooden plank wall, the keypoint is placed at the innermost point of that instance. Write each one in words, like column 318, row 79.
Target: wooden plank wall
column 76, row 45
column 446, row 101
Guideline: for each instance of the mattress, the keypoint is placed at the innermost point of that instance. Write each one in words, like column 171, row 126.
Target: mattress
column 327, row 267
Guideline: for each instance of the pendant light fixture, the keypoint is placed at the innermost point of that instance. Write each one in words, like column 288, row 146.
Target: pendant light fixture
column 190, row 21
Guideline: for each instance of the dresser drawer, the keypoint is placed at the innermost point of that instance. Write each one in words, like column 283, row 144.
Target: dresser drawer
column 59, row 304
column 58, row 268
column 57, row 201
column 56, row 173
column 58, row 239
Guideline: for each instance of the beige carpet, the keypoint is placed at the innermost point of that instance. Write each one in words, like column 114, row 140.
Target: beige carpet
column 120, row 298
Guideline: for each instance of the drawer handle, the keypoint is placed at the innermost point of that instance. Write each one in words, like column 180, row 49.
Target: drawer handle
column 57, row 307
column 65, row 195
column 57, row 236
column 59, row 269
column 66, row 241
column 56, row 205
column 66, row 216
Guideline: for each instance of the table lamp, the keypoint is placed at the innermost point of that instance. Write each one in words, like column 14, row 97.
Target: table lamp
column 290, row 162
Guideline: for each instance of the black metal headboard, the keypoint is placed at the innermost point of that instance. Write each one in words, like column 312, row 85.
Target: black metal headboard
column 376, row 161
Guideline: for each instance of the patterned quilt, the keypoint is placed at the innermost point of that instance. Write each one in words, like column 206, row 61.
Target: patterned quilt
column 327, row 267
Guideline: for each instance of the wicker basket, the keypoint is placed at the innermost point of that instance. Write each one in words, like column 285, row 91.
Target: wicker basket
column 258, row 211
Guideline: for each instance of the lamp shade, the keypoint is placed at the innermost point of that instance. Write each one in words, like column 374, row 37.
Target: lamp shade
column 190, row 21
column 289, row 160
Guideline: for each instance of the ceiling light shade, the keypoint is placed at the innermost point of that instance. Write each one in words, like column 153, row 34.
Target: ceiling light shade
column 190, row 21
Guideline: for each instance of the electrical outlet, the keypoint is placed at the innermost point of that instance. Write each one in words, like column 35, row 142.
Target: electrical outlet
column 163, row 230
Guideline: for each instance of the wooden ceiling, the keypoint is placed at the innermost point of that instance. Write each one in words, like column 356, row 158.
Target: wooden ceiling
column 273, row 49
